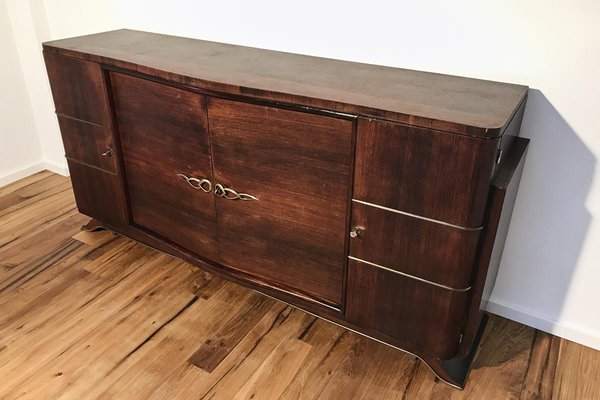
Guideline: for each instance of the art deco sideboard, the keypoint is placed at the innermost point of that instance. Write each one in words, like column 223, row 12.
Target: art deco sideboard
column 374, row 197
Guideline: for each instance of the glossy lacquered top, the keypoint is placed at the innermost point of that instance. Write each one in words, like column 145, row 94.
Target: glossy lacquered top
column 449, row 103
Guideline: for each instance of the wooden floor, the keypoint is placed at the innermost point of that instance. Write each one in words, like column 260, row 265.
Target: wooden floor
column 97, row 316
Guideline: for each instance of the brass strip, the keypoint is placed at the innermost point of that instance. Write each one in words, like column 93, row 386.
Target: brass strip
column 410, row 276
column 360, row 333
column 436, row 221
column 79, row 120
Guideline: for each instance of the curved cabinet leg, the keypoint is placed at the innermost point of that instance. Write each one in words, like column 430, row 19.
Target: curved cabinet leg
column 93, row 226
column 455, row 371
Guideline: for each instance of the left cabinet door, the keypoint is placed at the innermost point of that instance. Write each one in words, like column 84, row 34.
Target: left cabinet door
column 81, row 101
column 166, row 154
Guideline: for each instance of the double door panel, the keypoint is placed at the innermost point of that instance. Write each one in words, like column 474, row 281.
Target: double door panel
column 277, row 204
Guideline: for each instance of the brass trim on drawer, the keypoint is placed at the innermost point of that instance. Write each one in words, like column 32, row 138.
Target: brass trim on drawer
column 410, row 276
column 436, row 221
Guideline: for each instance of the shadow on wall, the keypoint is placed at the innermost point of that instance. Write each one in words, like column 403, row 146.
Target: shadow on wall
column 549, row 222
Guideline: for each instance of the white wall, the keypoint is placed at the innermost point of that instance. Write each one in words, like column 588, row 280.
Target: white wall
column 20, row 150
column 30, row 28
column 550, row 272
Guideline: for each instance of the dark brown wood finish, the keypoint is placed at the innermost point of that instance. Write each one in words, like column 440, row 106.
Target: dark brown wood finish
column 454, row 104
column 442, row 254
column 298, row 166
column 78, row 89
column 98, row 193
column 502, row 199
column 427, row 319
column 304, row 136
column 80, row 97
column 164, row 134
column 424, row 172
column 88, row 143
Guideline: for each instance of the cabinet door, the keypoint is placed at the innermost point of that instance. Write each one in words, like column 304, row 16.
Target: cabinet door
column 297, row 167
column 167, row 161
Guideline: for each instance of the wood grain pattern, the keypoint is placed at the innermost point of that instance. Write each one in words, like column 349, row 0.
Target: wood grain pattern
column 577, row 374
column 105, row 199
column 85, row 142
column 164, row 133
column 78, row 88
column 441, row 254
column 298, row 165
column 99, row 316
column 541, row 371
column 424, row 172
column 422, row 318
column 437, row 101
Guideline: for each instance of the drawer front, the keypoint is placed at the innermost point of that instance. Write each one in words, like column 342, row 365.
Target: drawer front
column 98, row 194
column 77, row 88
column 88, row 143
column 418, row 316
column 436, row 252
column 298, row 166
column 432, row 174
column 166, row 154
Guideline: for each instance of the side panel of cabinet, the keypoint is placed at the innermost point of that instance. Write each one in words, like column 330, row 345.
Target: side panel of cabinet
column 81, row 101
column 298, row 166
column 431, row 174
column 164, row 138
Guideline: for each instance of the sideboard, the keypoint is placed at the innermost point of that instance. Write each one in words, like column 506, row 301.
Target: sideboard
column 374, row 197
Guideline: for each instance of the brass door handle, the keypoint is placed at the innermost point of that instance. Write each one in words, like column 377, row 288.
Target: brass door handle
column 198, row 184
column 231, row 194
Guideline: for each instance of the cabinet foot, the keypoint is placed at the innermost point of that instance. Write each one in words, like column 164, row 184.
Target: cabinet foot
column 455, row 370
column 93, row 226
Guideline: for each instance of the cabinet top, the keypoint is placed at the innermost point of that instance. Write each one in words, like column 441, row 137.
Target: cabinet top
column 449, row 103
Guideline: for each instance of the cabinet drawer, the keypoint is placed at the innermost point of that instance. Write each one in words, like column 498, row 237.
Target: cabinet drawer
column 77, row 88
column 431, row 174
column 420, row 317
column 88, row 143
column 436, row 252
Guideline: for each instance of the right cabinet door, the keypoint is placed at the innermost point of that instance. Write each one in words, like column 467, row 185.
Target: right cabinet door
column 291, row 233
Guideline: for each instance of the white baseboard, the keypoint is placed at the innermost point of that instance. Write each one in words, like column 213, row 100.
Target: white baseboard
column 15, row 175
column 60, row 169
column 564, row 329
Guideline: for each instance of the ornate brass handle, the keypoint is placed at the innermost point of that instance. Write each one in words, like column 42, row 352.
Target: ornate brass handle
column 231, row 194
column 198, row 184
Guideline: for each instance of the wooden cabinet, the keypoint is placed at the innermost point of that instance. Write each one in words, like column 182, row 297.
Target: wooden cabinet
column 374, row 197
